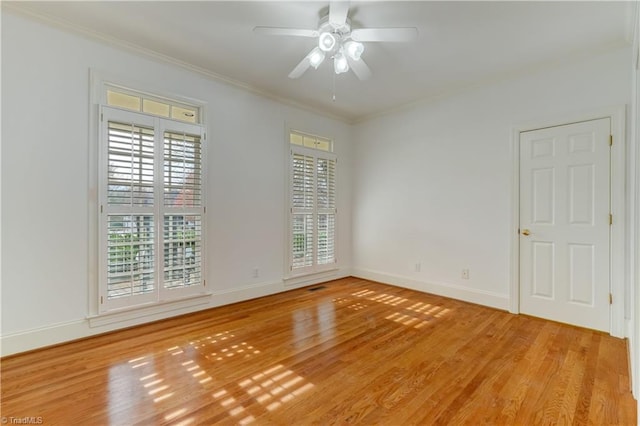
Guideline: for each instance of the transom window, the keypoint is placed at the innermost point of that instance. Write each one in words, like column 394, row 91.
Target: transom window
column 135, row 101
column 310, row 141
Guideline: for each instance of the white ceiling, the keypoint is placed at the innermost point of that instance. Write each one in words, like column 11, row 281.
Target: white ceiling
column 460, row 44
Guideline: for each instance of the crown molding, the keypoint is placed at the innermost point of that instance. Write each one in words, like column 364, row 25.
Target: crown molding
column 16, row 7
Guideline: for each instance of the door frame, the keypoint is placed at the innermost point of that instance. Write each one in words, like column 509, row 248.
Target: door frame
column 617, row 270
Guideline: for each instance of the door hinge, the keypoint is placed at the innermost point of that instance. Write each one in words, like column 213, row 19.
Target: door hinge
column 610, row 140
column 101, row 300
column 204, row 283
column 610, row 299
column 101, row 117
column 610, row 219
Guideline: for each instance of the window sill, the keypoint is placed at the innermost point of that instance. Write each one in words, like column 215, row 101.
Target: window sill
column 311, row 277
column 149, row 312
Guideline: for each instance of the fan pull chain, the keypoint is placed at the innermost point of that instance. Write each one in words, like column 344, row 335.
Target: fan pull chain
column 334, row 87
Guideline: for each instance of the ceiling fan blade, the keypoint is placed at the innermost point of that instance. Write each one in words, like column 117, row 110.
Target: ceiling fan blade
column 360, row 68
column 285, row 31
column 338, row 11
column 385, row 34
column 304, row 64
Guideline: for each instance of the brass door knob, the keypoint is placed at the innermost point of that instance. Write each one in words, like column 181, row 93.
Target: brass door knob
column 526, row 232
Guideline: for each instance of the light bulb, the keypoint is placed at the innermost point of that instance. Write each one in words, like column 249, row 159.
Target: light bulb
column 354, row 49
column 316, row 57
column 340, row 63
column 326, row 41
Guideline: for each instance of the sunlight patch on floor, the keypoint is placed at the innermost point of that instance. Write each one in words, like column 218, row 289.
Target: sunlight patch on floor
column 388, row 299
column 176, row 413
column 271, row 388
column 356, row 306
column 227, row 350
column 426, row 312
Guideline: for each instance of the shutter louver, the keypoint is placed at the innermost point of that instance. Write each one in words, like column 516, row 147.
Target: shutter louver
column 182, row 170
column 182, row 228
column 302, row 240
column 326, row 188
column 182, row 250
column 303, row 192
column 130, row 264
column 130, row 159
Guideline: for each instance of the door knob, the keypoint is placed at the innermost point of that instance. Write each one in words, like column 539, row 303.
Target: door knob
column 526, row 232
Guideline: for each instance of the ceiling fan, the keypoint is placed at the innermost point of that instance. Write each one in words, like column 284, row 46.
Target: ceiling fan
column 339, row 41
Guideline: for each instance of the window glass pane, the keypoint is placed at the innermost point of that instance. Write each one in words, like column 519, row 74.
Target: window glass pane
column 309, row 142
column 296, row 139
column 184, row 114
column 157, row 108
column 130, row 254
column 324, row 145
column 123, row 100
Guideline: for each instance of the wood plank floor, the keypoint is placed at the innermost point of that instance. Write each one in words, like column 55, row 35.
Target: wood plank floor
column 353, row 351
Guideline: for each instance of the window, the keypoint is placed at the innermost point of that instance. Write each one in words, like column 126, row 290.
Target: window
column 313, row 210
column 151, row 209
column 128, row 99
column 316, row 142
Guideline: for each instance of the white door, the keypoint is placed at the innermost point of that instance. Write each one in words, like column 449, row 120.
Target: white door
column 564, row 223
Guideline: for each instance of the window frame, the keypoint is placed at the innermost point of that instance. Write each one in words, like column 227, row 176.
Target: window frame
column 161, row 126
column 315, row 267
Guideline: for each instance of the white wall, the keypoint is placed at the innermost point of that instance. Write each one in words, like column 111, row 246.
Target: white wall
column 47, row 172
column 432, row 183
column 634, row 208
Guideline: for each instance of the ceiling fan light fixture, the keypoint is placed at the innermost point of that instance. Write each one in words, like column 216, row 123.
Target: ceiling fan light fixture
column 326, row 41
column 340, row 63
column 316, row 56
column 354, row 49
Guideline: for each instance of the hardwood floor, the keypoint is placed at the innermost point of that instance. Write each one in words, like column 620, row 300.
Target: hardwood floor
column 351, row 351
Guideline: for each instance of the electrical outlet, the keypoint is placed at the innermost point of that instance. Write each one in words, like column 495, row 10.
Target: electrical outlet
column 465, row 274
column 418, row 266
column 256, row 272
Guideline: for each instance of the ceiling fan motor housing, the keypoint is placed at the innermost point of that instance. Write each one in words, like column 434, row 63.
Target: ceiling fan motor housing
column 340, row 33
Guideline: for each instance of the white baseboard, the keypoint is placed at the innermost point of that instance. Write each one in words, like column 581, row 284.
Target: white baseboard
column 486, row 298
column 73, row 330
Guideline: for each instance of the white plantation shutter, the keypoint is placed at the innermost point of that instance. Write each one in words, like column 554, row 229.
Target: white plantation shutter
column 313, row 210
column 182, row 226
column 326, row 189
column 131, row 159
column 130, row 255
column 182, row 170
column 302, row 210
column 151, row 209
column 182, row 250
